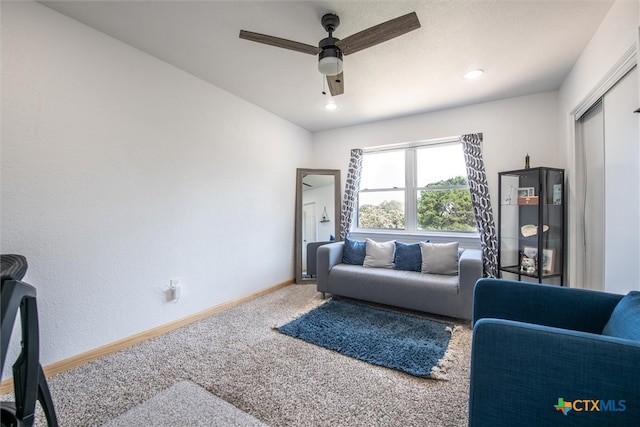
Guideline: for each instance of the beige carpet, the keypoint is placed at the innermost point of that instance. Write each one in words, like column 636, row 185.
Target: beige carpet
column 185, row 404
column 280, row 380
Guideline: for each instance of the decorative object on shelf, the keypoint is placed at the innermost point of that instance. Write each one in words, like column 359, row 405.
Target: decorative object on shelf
column 324, row 217
column 526, row 161
column 527, row 196
column 526, row 192
column 530, row 252
column 557, row 194
column 509, row 198
column 531, row 230
column 529, row 260
column 548, row 260
column 532, row 200
column 528, row 265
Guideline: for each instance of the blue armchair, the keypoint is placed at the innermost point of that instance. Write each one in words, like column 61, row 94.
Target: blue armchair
column 539, row 359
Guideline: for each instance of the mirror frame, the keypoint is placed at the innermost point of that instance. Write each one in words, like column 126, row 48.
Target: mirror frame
column 300, row 174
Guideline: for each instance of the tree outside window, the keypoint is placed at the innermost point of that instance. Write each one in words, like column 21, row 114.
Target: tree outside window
column 446, row 206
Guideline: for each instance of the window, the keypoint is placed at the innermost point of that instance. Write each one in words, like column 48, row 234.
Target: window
column 416, row 189
column 381, row 202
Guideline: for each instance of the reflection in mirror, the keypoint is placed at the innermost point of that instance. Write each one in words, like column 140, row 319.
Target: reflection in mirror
column 317, row 217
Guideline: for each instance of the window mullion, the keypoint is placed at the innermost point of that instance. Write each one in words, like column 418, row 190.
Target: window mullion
column 411, row 206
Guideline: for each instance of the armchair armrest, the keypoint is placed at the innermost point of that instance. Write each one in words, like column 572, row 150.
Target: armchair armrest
column 519, row 371
column 549, row 305
column 328, row 256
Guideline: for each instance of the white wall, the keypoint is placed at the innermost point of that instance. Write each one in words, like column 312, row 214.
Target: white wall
column 511, row 128
column 120, row 172
column 617, row 33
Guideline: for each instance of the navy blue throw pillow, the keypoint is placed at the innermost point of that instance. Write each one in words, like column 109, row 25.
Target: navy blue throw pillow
column 353, row 251
column 408, row 257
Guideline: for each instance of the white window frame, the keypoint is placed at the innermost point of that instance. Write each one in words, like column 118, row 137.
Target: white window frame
column 410, row 194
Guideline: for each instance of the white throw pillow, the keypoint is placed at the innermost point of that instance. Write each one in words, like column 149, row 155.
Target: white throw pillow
column 440, row 258
column 379, row 254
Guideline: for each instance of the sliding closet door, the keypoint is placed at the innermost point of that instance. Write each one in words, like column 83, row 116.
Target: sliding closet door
column 608, row 186
column 590, row 198
column 622, row 185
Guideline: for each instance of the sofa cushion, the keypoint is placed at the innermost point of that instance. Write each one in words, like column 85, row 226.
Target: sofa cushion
column 388, row 284
column 408, row 257
column 440, row 258
column 353, row 251
column 379, row 254
column 625, row 318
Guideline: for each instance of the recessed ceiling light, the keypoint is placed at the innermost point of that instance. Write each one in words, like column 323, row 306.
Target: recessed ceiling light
column 474, row 74
column 330, row 106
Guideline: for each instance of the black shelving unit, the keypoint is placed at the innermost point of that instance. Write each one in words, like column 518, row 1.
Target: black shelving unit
column 531, row 224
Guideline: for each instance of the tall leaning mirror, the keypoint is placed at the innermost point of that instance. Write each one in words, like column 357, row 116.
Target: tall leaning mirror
column 317, row 217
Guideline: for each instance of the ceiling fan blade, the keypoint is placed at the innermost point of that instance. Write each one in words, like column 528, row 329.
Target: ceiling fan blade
column 278, row 42
column 336, row 84
column 379, row 33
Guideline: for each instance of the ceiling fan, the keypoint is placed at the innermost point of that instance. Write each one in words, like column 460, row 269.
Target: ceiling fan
column 330, row 49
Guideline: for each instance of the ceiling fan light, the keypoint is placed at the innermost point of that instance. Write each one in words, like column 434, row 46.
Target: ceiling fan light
column 330, row 58
column 474, row 74
column 330, row 65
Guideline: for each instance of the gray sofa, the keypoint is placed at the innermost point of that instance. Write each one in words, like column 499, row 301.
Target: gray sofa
column 433, row 293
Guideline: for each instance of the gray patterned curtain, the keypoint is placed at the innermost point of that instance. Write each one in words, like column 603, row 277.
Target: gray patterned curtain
column 481, row 202
column 351, row 188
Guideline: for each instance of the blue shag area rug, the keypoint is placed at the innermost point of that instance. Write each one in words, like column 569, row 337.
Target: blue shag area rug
column 411, row 344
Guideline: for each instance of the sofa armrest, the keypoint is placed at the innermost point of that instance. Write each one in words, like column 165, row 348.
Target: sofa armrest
column 550, row 305
column 469, row 269
column 520, row 370
column 328, row 256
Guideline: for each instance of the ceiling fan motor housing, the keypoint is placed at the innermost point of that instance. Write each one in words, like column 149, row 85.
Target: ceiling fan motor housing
column 330, row 22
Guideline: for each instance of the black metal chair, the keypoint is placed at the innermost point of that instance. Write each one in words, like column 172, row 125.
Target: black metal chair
column 29, row 382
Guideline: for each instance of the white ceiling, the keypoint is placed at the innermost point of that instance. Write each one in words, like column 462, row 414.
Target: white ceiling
column 524, row 46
